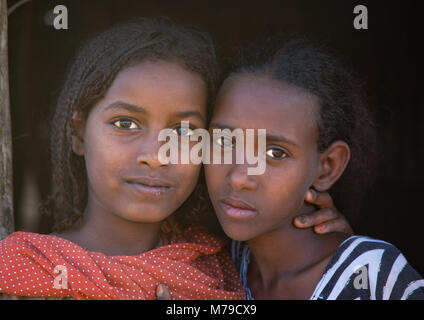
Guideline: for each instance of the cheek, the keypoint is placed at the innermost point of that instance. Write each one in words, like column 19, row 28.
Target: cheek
column 288, row 186
column 104, row 158
column 215, row 176
column 187, row 176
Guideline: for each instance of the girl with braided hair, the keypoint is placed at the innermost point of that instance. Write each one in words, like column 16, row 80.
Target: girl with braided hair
column 125, row 222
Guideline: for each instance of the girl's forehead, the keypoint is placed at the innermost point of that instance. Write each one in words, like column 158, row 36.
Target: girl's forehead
column 159, row 73
column 158, row 87
column 261, row 87
column 247, row 102
column 260, row 98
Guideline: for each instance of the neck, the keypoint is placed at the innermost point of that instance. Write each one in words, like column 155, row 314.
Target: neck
column 288, row 251
column 105, row 232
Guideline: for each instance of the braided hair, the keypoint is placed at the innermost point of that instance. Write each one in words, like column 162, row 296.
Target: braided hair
column 89, row 78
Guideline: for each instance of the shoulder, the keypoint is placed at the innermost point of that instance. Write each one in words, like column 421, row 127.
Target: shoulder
column 370, row 269
column 30, row 247
column 17, row 240
column 366, row 249
column 20, row 247
column 22, row 236
column 28, row 240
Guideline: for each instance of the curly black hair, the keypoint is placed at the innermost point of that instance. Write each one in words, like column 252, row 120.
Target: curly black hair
column 90, row 76
column 344, row 114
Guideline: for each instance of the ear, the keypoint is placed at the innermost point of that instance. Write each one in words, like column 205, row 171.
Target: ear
column 78, row 134
column 332, row 163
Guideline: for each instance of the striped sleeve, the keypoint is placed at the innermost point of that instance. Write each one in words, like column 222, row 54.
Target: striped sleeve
column 369, row 269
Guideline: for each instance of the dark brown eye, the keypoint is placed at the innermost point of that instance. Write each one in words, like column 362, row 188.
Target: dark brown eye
column 183, row 131
column 276, row 153
column 125, row 124
column 224, row 142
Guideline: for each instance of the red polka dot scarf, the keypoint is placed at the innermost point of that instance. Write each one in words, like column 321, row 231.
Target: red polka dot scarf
column 193, row 266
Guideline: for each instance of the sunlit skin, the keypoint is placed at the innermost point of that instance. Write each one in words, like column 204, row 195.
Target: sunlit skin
column 119, row 142
column 286, row 262
column 130, row 193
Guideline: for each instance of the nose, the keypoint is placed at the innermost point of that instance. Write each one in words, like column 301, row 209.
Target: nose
column 149, row 152
column 238, row 178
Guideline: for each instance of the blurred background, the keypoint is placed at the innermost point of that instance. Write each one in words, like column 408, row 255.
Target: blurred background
column 386, row 56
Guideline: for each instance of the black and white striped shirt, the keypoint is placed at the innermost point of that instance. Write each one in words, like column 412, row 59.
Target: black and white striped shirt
column 361, row 268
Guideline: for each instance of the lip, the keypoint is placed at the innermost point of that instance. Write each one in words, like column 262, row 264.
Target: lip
column 150, row 186
column 237, row 208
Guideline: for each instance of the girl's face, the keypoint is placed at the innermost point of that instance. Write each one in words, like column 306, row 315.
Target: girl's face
column 250, row 205
column 120, row 141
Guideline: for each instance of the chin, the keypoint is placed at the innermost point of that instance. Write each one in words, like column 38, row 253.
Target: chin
column 147, row 216
column 237, row 234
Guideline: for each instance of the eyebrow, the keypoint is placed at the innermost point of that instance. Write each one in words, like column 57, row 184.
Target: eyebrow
column 187, row 114
column 270, row 137
column 119, row 105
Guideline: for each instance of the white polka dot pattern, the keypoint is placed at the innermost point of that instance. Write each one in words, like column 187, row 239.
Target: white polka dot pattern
column 193, row 266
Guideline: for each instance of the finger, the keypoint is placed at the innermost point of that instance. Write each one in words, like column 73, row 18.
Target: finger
column 162, row 292
column 315, row 218
column 336, row 225
column 319, row 199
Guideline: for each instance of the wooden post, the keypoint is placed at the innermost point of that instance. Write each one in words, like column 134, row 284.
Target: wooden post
column 6, row 185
